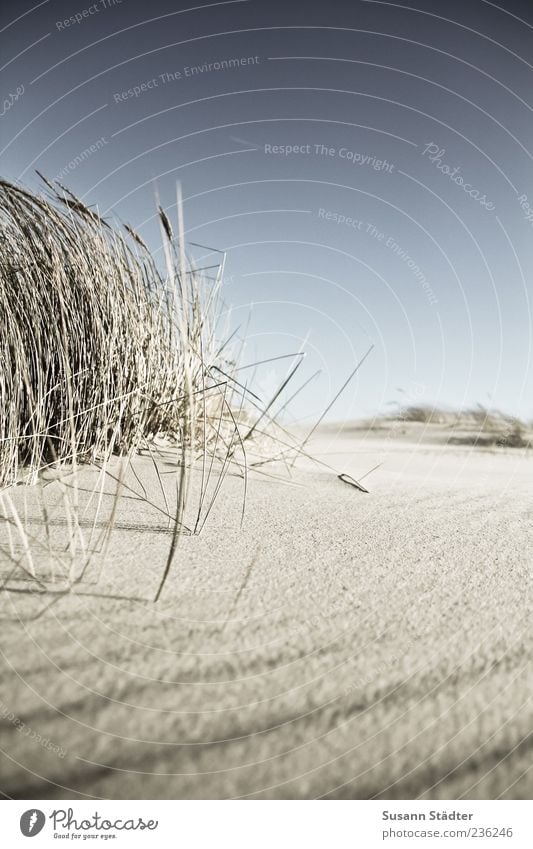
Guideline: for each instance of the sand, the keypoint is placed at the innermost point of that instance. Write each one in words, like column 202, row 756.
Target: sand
column 338, row 645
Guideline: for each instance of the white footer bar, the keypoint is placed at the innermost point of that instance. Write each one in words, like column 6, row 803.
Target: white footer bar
column 268, row 824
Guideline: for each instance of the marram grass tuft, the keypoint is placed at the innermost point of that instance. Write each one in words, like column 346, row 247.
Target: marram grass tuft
column 99, row 350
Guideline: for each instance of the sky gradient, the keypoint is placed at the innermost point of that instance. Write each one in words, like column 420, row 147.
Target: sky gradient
column 367, row 166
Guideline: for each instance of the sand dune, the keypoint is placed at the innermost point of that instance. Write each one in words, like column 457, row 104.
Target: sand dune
column 338, row 645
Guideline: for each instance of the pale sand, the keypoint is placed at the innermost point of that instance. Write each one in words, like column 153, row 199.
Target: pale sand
column 339, row 644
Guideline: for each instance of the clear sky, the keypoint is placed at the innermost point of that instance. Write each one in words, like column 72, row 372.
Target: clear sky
column 367, row 166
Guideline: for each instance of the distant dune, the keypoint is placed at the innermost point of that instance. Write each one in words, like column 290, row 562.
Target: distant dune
column 476, row 426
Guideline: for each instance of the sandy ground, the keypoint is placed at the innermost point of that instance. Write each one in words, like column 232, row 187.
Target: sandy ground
column 337, row 645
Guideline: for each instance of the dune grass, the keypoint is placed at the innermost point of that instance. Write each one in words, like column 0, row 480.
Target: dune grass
column 104, row 353
column 101, row 351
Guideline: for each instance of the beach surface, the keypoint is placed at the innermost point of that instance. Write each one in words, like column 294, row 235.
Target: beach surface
column 336, row 644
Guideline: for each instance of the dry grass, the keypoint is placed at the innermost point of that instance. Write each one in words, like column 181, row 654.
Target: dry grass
column 102, row 353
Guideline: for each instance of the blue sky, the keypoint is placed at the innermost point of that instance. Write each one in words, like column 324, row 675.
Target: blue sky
column 367, row 167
